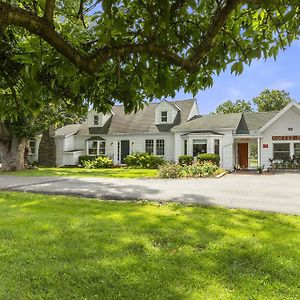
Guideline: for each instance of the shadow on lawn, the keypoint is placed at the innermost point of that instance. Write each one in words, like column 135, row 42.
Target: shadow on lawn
column 69, row 248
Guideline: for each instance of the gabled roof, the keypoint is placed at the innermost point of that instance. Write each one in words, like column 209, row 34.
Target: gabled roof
column 213, row 122
column 143, row 121
column 251, row 122
column 68, row 130
column 174, row 105
column 279, row 114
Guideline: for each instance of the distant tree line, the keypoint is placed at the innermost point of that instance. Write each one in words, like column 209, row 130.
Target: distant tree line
column 267, row 100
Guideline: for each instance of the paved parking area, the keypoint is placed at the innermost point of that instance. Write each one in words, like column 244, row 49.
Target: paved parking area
column 276, row 193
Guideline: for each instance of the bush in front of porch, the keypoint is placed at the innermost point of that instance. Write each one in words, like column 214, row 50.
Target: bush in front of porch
column 140, row 160
column 209, row 157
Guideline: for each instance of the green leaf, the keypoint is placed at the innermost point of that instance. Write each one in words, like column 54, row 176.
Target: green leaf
column 237, row 68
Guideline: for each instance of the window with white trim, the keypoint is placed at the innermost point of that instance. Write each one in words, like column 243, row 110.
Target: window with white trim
column 199, row 146
column 217, row 146
column 96, row 147
column 160, row 147
column 297, row 150
column 164, row 116
column 96, row 120
column 32, row 143
column 281, row 151
column 185, row 147
column 149, row 146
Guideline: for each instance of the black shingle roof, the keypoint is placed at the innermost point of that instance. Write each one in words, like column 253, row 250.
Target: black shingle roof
column 143, row 121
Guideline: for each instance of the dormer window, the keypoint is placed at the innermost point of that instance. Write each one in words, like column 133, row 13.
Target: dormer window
column 96, row 120
column 164, row 116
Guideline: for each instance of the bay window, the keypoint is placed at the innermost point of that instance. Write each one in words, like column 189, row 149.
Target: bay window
column 217, row 147
column 185, row 150
column 199, row 146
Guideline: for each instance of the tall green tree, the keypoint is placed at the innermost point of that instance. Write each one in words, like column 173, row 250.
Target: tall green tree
column 272, row 100
column 145, row 49
column 29, row 102
column 239, row 106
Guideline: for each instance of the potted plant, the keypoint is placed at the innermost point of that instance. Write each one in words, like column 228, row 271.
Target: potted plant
column 260, row 169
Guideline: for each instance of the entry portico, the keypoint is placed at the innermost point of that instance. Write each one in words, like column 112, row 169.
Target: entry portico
column 247, row 151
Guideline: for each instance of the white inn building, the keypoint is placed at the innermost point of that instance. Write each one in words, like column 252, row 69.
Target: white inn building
column 175, row 128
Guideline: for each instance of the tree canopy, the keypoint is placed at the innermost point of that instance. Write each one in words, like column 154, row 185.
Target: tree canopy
column 272, row 100
column 144, row 49
column 29, row 101
column 239, row 106
column 267, row 100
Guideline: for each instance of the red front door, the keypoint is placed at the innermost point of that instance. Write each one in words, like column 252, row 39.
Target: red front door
column 243, row 155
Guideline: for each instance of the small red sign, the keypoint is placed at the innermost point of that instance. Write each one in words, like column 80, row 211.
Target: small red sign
column 265, row 146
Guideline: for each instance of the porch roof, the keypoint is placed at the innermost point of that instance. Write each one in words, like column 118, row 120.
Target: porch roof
column 202, row 132
column 96, row 138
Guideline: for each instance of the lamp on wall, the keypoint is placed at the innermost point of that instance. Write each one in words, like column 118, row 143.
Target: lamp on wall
column 132, row 143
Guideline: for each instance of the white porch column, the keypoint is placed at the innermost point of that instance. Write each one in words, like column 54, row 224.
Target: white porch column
column 87, row 147
column 258, row 152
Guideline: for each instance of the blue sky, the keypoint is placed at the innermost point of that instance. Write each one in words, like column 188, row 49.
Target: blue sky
column 283, row 74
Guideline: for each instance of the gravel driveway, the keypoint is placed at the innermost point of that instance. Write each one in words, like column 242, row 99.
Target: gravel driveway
column 276, row 193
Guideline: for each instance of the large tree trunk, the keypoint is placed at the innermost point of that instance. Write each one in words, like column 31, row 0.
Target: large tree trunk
column 12, row 149
column 47, row 150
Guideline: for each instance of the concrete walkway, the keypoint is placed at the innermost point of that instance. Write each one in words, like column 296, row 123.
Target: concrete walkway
column 277, row 193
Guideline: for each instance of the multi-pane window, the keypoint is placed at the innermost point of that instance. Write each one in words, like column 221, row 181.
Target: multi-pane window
column 96, row 120
column 297, row 150
column 32, row 146
column 217, row 146
column 149, row 146
column 164, row 116
column 185, row 150
column 101, row 148
column 199, row 146
column 160, row 147
column 96, row 147
column 281, row 151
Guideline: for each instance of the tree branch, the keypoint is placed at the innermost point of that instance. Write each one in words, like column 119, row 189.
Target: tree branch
column 217, row 23
column 43, row 27
column 49, row 10
column 91, row 64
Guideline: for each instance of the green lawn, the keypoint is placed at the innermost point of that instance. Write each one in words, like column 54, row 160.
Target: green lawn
column 81, row 172
column 56, row 247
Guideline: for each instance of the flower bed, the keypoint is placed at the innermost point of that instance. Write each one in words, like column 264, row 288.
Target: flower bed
column 195, row 170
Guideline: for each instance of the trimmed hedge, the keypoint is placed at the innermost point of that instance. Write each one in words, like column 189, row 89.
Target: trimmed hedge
column 185, row 159
column 143, row 161
column 204, row 157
